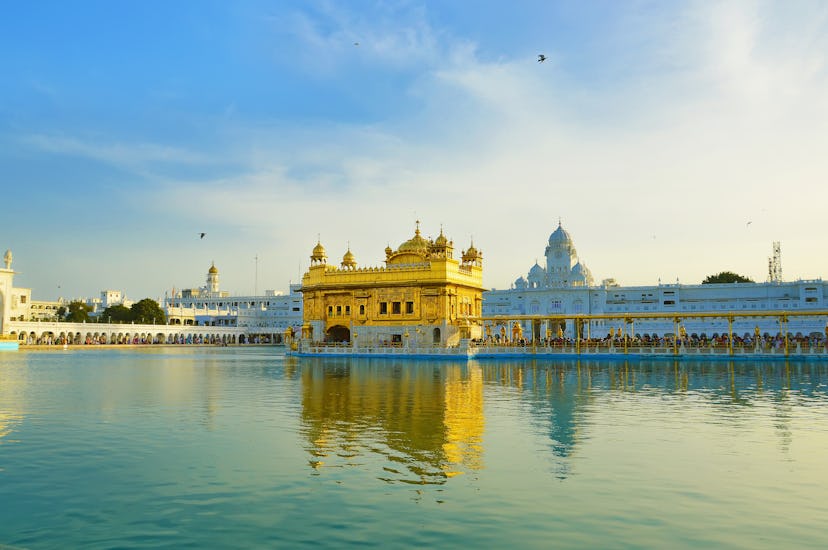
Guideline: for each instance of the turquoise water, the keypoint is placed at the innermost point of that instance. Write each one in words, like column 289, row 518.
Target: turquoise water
column 244, row 448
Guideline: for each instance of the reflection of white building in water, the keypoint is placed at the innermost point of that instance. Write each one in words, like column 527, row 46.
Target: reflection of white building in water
column 564, row 285
column 270, row 314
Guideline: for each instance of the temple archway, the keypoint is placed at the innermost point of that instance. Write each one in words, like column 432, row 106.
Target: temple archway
column 339, row 333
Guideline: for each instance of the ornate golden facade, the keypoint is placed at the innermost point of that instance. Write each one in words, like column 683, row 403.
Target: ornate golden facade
column 422, row 297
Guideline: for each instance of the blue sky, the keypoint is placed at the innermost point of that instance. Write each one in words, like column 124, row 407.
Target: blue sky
column 655, row 131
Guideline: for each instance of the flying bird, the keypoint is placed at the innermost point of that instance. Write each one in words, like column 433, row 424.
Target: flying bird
column 201, row 235
column 356, row 43
column 748, row 223
column 541, row 58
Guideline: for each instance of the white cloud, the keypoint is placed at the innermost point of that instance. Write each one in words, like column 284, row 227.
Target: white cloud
column 117, row 154
column 330, row 38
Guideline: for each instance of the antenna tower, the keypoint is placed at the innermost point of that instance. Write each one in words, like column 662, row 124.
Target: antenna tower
column 775, row 264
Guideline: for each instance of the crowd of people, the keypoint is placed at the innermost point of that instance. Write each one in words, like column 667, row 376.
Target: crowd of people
column 144, row 339
column 763, row 342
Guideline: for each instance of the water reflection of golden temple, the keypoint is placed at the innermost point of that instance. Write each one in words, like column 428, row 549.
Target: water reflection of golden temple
column 427, row 420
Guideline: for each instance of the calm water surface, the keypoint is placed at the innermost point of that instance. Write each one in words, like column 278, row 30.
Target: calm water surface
column 245, row 448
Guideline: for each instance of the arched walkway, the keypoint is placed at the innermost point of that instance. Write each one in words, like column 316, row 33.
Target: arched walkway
column 338, row 333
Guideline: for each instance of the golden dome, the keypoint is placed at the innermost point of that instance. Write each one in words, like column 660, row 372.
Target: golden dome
column 348, row 260
column 213, row 269
column 416, row 244
column 441, row 239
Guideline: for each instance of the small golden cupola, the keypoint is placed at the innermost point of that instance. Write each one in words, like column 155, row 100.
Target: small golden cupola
column 348, row 260
column 213, row 278
column 318, row 256
column 472, row 255
column 442, row 247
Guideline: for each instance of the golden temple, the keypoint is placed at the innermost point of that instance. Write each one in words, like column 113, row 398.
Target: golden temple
column 423, row 296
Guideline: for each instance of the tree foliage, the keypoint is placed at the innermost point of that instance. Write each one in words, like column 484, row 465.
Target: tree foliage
column 78, row 312
column 147, row 311
column 116, row 314
column 726, row 277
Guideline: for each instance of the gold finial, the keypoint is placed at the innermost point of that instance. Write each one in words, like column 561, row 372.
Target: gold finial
column 417, row 231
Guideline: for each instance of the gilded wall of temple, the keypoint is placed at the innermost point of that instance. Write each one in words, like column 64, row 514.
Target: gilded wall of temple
column 422, row 296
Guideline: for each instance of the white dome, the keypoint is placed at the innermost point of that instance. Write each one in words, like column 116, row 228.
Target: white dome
column 560, row 236
column 582, row 273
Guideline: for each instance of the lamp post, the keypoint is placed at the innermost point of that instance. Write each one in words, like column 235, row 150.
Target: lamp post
column 730, row 335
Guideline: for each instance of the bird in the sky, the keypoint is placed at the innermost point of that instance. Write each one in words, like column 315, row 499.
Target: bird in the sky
column 356, row 43
column 201, row 235
column 748, row 223
column 541, row 58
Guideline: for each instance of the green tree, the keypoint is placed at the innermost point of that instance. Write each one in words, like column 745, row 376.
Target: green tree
column 148, row 311
column 726, row 277
column 78, row 312
column 116, row 314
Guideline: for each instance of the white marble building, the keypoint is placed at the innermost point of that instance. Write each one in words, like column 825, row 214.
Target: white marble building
column 269, row 314
column 14, row 302
column 565, row 286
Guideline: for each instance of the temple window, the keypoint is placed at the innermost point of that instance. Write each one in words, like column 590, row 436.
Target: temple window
column 383, row 308
column 409, row 307
column 339, row 310
column 396, row 307
column 347, row 310
column 362, row 310
column 330, row 310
